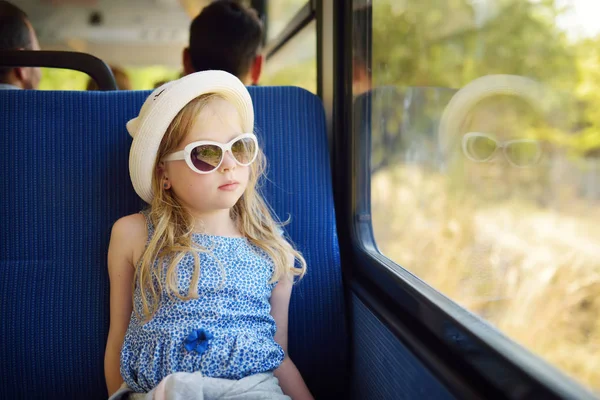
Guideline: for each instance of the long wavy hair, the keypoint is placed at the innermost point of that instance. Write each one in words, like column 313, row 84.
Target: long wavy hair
column 173, row 226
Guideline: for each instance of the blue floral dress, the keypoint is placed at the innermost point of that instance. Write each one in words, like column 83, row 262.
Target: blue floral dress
column 227, row 332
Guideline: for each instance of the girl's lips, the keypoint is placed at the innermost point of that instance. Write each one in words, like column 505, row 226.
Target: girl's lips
column 230, row 186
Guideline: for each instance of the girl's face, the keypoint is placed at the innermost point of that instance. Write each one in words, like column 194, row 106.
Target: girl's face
column 218, row 121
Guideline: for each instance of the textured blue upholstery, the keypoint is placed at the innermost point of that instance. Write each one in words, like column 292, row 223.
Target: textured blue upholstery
column 65, row 181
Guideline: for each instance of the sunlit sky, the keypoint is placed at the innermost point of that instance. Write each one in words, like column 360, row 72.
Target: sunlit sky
column 583, row 19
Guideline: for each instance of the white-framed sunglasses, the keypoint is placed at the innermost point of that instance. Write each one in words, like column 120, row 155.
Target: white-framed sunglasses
column 206, row 156
column 481, row 147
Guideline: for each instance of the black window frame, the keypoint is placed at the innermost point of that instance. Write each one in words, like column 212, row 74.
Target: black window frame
column 470, row 357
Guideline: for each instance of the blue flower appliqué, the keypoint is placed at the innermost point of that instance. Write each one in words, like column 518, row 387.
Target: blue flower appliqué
column 198, row 341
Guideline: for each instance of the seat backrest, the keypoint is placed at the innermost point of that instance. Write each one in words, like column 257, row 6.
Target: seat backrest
column 65, row 182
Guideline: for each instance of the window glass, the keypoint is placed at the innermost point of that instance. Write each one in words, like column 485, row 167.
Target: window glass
column 485, row 160
column 295, row 64
column 135, row 78
column 62, row 79
column 280, row 13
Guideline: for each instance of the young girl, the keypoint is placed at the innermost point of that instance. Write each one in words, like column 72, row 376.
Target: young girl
column 201, row 281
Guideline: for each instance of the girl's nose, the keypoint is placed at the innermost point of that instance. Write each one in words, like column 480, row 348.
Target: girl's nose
column 228, row 163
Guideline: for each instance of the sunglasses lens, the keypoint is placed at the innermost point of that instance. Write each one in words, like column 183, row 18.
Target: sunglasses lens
column 523, row 153
column 480, row 148
column 206, row 157
column 244, row 150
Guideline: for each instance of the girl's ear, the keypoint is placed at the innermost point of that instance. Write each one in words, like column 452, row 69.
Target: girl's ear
column 160, row 169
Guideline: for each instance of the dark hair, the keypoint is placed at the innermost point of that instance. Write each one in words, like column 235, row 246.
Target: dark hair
column 227, row 36
column 14, row 31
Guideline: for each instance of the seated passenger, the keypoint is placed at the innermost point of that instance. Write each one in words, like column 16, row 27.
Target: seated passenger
column 17, row 33
column 226, row 36
column 121, row 77
column 201, row 279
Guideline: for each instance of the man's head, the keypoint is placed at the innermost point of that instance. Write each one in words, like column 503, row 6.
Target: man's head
column 16, row 33
column 226, row 36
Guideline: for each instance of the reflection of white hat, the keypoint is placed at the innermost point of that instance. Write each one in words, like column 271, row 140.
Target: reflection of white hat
column 491, row 85
column 161, row 107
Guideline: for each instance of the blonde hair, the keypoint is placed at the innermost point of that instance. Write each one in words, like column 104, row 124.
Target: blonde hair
column 173, row 226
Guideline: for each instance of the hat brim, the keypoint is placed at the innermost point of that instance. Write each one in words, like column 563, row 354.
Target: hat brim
column 161, row 107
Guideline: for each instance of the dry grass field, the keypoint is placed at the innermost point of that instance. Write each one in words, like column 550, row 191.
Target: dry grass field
column 531, row 271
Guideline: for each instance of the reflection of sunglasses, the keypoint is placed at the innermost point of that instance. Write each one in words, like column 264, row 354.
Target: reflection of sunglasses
column 206, row 156
column 481, row 147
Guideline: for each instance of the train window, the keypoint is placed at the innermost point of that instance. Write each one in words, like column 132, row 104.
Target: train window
column 485, row 162
column 296, row 63
column 62, row 79
column 148, row 77
column 134, row 78
column 280, row 13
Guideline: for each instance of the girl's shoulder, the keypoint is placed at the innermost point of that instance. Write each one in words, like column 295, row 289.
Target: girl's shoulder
column 131, row 233
column 133, row 224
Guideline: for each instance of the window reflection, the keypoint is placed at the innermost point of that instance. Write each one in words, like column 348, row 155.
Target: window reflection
column 485, row 162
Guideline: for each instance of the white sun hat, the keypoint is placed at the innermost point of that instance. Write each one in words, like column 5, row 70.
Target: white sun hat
column 161, row 107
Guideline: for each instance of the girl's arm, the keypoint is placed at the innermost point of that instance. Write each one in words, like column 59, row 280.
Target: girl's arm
column 126, row 234
column 289, row 377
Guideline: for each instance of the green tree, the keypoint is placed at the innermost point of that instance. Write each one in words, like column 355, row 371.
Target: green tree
column 448, row 43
